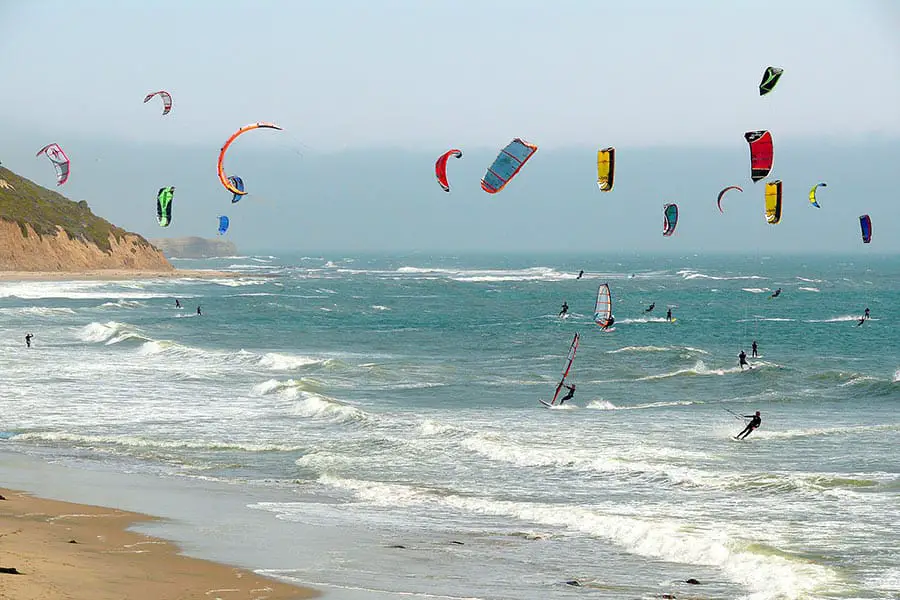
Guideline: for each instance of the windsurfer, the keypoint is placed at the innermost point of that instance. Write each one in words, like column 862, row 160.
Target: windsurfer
column 609, row 323
column 742, row 360
column 755, row 421
column 569, row 395
column 564, row 310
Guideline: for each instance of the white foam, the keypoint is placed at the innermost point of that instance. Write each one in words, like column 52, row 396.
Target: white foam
column 379, row 307
column 809, row 289
column 491, row 275
column 316, row 406
column 287, row 362
column 76, row 290
column 691, row 274
column 699, row 368
column 39, row 311
column 756, row 290
column 841, row 319
column 155, row 442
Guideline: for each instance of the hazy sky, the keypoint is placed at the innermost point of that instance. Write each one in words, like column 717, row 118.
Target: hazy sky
column 408, row 79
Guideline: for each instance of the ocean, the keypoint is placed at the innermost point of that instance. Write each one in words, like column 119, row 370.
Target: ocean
column 370, row 425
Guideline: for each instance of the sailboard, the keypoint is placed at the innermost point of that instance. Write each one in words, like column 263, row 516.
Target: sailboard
column 570, row 358
column 603, row 306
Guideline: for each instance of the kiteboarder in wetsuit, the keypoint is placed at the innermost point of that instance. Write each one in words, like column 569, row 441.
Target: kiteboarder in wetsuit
column 866, row 313
column 776, row 294
column 753, row 351
column 580, row 273
column 669, row 315
column 565, row 309
column 28, row 337
column 742, row 360
column 569, row 395
column 198, row 310
column 651, row 307
column 755, row 421
column 177, row 303
column 861, row 321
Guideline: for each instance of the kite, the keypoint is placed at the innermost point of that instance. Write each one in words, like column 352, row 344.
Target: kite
column 606, row 168
column 440, row 167
column 865, row 225
column 220, row 166
column 512, row 158
column 59, row 159
column 722, row 195
column 773, row 201
column 223, row 224
column 670, row 219
column 238, row 184
column 762, row 153
column 166, row 98
column 164, row 205
column 812, row 194
column 769, row 80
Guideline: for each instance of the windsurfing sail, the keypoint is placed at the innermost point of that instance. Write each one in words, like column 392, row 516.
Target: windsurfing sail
column 812, row 194
column 510, row 160
column 59, row 160
column 570, row 358
column 238, row 184
column 164, row 205
column 603, row 306
column 670, row 219
column 762, row 153
column 773, row 201
column 223, row 224
column 440, row 167
column 769, row 80
column 166, row 99
column 722, row 195
column 606, row 168
column 220, row 165
column 865, row 225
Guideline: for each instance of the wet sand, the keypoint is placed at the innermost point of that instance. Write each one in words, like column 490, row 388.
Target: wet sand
column 81, row 552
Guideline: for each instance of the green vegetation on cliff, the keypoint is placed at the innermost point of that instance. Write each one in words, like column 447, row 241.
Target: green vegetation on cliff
column 26, row 203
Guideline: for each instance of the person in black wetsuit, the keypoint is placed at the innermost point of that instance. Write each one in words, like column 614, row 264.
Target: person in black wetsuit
column 569, row 395
column 564, row 310
column 742, row 360
column 177, row 303
column 609, row 324
column 755, row 421
column 651, row 307
column 669, row 315
column 580, row 273
column 198, row 310
column 776, row 294
column 28, row 337
column 753, row 349
column 861, row 321
column 866, row 313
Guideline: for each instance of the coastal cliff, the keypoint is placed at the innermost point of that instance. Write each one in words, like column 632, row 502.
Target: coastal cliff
column 41, row 230
column 195, row 247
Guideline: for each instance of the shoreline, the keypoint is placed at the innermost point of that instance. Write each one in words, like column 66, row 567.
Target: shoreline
column 82, row 551
column 116, row 275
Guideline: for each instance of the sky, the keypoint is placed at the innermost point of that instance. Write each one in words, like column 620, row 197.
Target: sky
column 369, row 93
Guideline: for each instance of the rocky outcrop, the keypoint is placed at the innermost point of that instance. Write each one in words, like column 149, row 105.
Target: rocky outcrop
column 22, row 249
column 195, row 247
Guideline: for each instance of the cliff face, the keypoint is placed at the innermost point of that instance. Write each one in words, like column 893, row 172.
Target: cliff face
column 33, row 252
column 195, row 247
column 40, row 230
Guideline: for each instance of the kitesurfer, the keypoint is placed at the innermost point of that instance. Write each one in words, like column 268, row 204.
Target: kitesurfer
column 755, row 421
column 564, row 310
column 28, row 337
column 651, row 307
column 569, row 395
column 860, row 321
column 742, row 360
column 198, row 310
column 669, row 315
column 776, row 294
column 177, row 303
column 580, row 273
column 866, row 313
column 753, row 349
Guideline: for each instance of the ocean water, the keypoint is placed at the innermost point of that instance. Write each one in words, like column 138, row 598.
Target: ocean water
column 390, row 404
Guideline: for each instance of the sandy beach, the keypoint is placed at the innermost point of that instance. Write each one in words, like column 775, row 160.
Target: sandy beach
column 113, row 275
column 71, row 551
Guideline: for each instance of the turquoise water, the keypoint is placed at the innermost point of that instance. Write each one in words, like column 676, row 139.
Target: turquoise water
column 397, row 398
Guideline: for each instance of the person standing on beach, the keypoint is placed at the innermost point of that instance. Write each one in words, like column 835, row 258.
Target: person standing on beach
column 28, row 337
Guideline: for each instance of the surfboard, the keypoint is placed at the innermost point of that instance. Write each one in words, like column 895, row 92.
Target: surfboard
column 544, row 402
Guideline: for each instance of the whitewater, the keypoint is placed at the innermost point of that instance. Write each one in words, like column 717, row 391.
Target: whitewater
column 371, row 424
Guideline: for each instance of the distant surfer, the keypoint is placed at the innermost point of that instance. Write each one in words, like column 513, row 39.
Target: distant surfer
column 564, row 310
column 753, row 349
column 776, row 294
column 866, row 314
column 860, row 321
column 569, row 395
column 198, row 310
column 651, row 307
column 28, row 337
column 669, row 315
column 755, row 421
column 580, row 273
column 742, row 360
column 177, row 303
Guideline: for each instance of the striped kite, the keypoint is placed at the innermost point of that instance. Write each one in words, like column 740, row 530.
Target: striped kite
column 762, row 153
column 166, row 98
column 512, row 158
column 670, row 219
column 59, row 160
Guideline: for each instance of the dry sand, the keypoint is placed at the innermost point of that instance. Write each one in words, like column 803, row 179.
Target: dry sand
column 106, row 562
column 114, row 275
